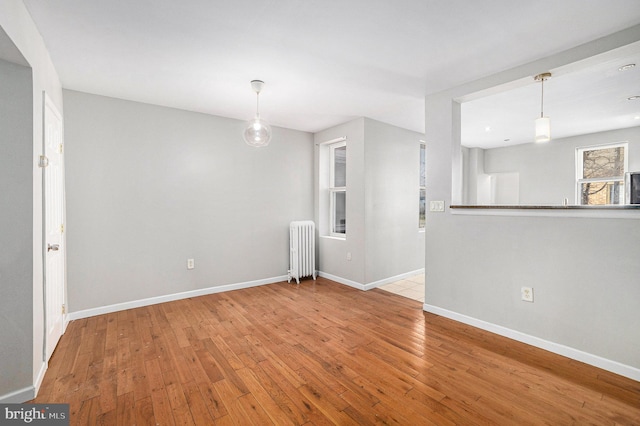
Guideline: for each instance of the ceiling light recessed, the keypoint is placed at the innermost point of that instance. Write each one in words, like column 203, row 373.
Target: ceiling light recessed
column 637, row 117
column 626, row 67
column 633, row 98
column 487, row 129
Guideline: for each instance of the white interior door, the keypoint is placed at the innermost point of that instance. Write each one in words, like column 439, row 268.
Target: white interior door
column 54, row 226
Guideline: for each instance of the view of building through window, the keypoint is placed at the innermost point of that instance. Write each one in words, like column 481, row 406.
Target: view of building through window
column 601, row 175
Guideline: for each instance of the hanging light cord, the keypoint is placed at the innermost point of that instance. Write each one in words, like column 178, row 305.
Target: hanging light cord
column 542, row 98
column 257, row 104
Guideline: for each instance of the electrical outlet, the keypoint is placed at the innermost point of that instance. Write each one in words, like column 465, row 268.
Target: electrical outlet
column 527, row 294
column 191, row 264
column 348, row 255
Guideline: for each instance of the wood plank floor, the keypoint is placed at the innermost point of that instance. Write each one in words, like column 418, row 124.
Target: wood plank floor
column 317, row 354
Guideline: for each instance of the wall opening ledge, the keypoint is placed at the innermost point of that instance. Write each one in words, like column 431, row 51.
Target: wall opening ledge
column 605, row 212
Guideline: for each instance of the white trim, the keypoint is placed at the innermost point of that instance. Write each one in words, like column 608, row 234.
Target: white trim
column 19, row 396
column 341, row 280
column 340, row 139
column 43, row 369
column 332, row 237
column 365, row 287
column 596, row 213
column 332, row 164
column 393, row 279
column 423, row 145
column 335, row 190
column 169, row 298
column 580, row 167
column 576, row 354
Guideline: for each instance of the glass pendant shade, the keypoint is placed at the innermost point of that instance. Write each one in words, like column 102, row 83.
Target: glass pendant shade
column 257, row 133
column 543, row 129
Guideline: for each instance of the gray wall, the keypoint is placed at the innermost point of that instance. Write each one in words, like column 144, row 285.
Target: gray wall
column 16, row 262
column 149, row 187
column 584, row 271
column 332, row 252
column 394, row 244
column 382, row 204
column 26, row 313
column 547, row 171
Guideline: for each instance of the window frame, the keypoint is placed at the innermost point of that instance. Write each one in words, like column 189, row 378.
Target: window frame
column 580, row 180
column 334, row 190
column 422, row 185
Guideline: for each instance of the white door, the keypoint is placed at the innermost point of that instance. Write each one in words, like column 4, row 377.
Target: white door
column 54, row 226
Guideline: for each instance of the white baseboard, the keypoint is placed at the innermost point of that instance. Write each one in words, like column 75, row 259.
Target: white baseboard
column 370, row 285
column 342, row 280
column 27, row 393
column 578, row 355
column 218, row 289
column 169, row 297
column 43, row 369
column 19, row 396
column 393, row 279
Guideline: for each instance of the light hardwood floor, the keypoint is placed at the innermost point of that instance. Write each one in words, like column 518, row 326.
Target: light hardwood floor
column 315, row 354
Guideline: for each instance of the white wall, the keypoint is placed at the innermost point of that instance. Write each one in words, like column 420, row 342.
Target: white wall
column 382, row 205
column 18, row 27
column 149, row 187
column 584, row 271
column 547, row 171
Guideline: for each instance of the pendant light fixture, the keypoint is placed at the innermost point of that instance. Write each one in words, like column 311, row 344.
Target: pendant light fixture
column 543, row 124
column 258, row 132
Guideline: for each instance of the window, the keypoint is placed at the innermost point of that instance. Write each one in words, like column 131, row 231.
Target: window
column 338, row 189
column 423, row 187
column 600, row 174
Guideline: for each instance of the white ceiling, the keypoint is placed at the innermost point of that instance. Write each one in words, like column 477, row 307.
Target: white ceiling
column 579, row 99
column 324, row 61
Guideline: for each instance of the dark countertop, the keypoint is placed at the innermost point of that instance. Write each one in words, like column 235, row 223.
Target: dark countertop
column 546, row 207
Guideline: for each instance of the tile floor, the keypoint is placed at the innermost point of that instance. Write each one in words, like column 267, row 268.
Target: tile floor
column 411, row 287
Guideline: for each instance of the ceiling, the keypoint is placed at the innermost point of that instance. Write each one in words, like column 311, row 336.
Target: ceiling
column 580, row 98
column 324, row 61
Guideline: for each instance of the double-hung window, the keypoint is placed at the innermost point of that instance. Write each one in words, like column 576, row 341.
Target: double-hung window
column 600, row 174
column 338, row 189
column 423, row 187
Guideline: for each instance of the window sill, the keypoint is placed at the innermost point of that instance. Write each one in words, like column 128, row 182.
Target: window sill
column 332, row 237
column 607, row 212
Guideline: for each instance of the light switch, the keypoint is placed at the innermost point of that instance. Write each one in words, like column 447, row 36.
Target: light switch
column 436, row 206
